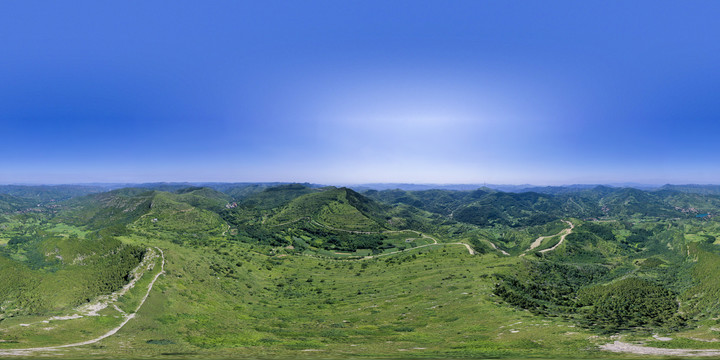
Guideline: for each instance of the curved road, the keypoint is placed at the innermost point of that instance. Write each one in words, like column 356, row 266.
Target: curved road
column 469, row 249
column 128, row 317
column 563, row 233
column 422, row 235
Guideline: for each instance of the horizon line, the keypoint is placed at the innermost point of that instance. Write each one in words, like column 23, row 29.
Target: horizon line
column 611, row 184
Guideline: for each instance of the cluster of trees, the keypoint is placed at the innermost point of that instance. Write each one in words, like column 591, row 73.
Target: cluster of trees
column 46, row 272
column 602, row 231
column 579, row 291
column 110, row 273
column 548, row 287
column 481, row 215
column 345, row 241
column 480, row 246
column 352, row 242
column 260, row 235
column 630, row 303
column 639, row 236
column 322, row 237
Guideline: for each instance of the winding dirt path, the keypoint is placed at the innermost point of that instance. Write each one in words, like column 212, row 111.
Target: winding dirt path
column 623, row 347
column 563, row 233
column 103, row 301
column 498, row 249
column 128, row 317
column 469, row 249
column 422, row 235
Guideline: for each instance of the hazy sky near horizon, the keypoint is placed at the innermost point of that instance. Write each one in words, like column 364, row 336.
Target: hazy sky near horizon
column 541, row 92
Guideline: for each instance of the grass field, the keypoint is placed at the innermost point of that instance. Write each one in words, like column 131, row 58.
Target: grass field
column 233, row 299
column 432, row 302
column 352, row 279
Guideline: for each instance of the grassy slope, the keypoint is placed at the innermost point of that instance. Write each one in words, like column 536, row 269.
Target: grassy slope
column 167, row 213
column 339, row 208
column 274, row 197
column 237, row 302
column 55, row 273
column 9, row 203
column 232, row 299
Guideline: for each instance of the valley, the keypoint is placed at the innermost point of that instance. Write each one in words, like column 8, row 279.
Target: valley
column 301, row 270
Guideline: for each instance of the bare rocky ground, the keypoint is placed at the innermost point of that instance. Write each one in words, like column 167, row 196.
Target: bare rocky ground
column 623, row 347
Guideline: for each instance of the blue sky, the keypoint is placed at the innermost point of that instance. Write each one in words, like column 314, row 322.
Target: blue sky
column 541, row 92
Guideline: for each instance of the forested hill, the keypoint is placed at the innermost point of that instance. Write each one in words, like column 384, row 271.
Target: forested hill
column 50, row 193
column 280, row 268
column 696, row 189
column 481, row 206
column 488, row 207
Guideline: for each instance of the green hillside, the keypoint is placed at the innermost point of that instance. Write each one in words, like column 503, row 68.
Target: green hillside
column 173, row 213
column 106, row 209
column 273, row 197
column 335, row 207
column 486, row 207
column 293, row 270
column 9, row 203
column 46, row 273
column 203, row 197
column 49, row 193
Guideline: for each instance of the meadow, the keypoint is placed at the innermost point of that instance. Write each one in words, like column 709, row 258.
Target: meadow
column 302, row 279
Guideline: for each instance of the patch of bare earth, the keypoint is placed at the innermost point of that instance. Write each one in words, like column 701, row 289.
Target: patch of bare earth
column 623, row 347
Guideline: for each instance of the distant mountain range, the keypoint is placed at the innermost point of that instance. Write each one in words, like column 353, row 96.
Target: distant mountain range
column 86, row 188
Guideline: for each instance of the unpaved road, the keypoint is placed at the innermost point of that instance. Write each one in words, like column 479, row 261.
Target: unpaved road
column 128, row 317
column 498, row 249
column 422, row 235
column 563, row 233
column 622, row 347
column 359, row 232
column 469, row 249
column 103, row 301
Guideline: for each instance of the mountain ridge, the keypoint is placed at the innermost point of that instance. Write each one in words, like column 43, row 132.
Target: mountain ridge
column 278, row 269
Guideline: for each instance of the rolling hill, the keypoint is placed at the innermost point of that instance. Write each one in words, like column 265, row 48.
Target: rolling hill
column 335, row 207
column 273, row 270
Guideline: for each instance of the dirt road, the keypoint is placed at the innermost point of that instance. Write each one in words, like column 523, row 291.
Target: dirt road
column 469, row 249
column 435, row 242
column 127, row 318
column 563, row 233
